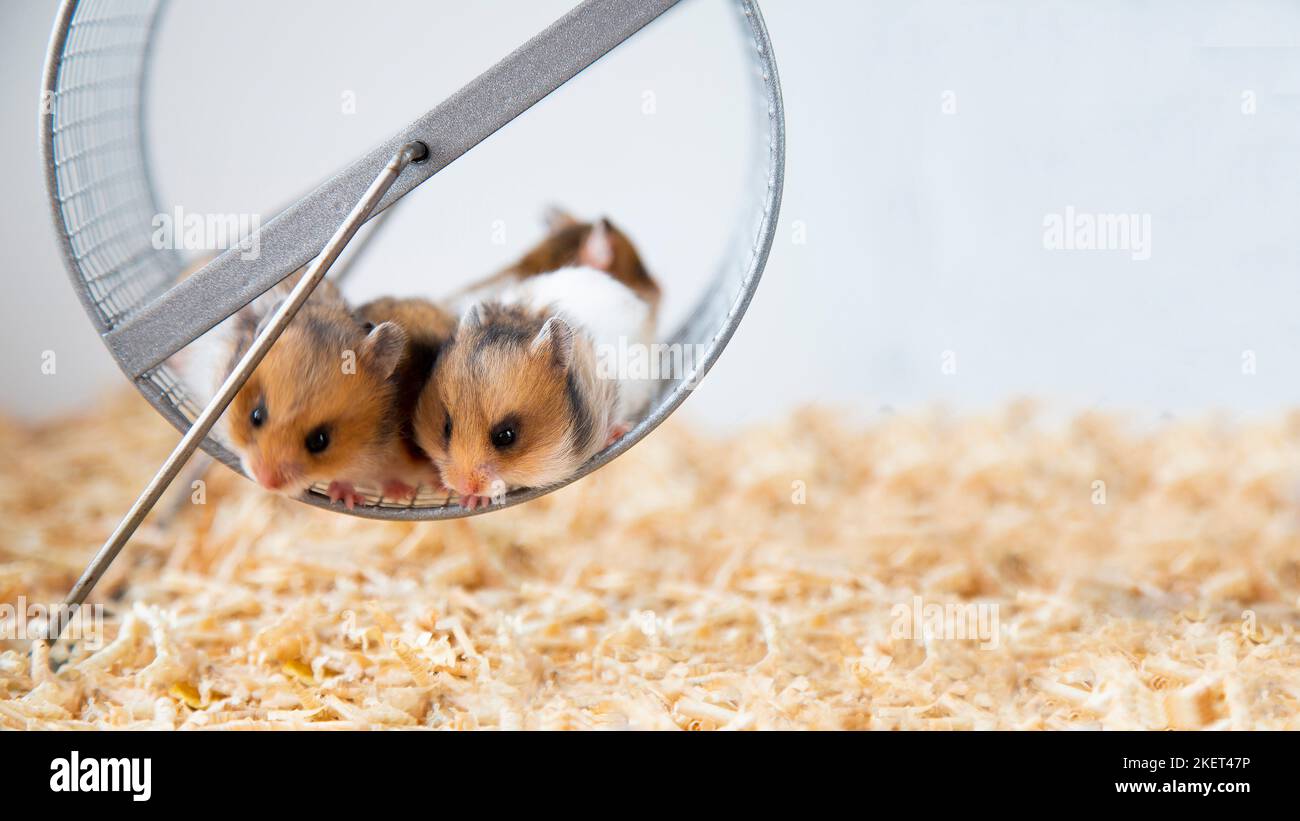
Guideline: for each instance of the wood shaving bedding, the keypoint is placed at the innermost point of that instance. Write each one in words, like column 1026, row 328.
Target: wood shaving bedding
column 683, row 586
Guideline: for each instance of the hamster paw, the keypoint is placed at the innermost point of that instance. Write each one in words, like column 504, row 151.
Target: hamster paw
column 347, row 494
column 475, row 502
column 397, row 489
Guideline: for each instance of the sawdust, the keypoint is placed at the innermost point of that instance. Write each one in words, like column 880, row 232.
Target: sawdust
column 1086, row 575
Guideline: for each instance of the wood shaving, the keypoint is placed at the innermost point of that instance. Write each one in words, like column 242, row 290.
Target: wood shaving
column 1141, row 578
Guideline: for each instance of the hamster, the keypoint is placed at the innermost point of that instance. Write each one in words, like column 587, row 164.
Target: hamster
column 516, row 399
column 321, row 406
column 571, row 243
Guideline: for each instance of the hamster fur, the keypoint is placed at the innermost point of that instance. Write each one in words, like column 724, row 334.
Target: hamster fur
column 515, row 401
column 518, row 399
column 570, row 243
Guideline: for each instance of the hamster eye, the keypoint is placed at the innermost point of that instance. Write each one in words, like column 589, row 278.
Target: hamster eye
column 317, row 440
column 258, row 416
column 446, row 428
column 503, row 435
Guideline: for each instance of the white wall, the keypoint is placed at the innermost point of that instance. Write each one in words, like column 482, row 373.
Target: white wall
column 924, row 228
column 39, row 311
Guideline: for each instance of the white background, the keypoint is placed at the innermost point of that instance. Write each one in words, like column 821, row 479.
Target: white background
column 924, row 229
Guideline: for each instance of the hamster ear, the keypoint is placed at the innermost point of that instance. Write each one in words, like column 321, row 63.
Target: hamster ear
column 382, row 349
column 472, row 318
column 555, row 340
column 597, row 249
column 257, row 318
column 556, row 218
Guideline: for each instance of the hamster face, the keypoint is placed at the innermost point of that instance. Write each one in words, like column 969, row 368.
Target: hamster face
column 502, row 410
column 318, row 407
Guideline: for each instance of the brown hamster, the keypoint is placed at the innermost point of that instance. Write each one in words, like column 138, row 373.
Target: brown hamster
column 516, row 399
column 569, row 243
column 515, row 402
column 320, row 407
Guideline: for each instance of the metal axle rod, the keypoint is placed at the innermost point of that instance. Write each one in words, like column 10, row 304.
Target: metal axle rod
column 407, row 154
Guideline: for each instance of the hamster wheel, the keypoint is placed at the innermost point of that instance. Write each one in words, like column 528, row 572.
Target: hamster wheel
column 99, row 180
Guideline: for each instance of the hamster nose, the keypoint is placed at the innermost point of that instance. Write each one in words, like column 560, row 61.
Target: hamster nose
column 270, row 478
column 479, row 480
